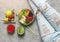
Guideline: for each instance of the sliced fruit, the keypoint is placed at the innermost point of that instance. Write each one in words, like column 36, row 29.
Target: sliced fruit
column 20, row 12
column 12, row 19
column 29, row 18
column 20, row 16
column 6, row 20
column 8, row 13
column 11, row 16
column 20, row 30
column 27, row 12
column 22, row 20
column 10, row 28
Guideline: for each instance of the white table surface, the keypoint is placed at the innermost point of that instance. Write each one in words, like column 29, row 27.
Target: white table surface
column 17, row 5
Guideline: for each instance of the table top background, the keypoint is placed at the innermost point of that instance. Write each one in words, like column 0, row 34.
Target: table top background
column 17, row 5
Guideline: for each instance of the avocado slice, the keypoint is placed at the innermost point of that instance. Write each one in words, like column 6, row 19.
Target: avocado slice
column 20, row 30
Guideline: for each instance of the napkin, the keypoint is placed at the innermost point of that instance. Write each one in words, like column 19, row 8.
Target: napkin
column 43, row 21
column 44, row 26
column 50, row 13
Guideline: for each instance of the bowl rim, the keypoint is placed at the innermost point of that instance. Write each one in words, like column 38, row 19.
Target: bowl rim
column 30, row 22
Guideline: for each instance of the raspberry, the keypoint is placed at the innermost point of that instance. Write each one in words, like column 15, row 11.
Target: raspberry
column 29, row 18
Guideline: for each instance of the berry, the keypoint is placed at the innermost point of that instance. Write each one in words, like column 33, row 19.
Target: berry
column 29, row 18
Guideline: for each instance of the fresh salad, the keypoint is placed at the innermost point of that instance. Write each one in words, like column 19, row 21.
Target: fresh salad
column 25, row 16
